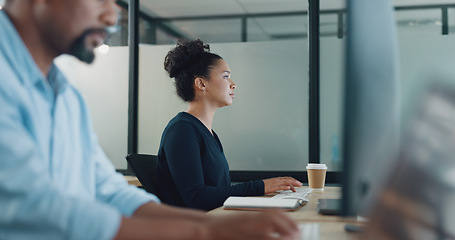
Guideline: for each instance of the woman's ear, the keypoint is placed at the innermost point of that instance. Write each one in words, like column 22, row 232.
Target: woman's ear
column 199, row 83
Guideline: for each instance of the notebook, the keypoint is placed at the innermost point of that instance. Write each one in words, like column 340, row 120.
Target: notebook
column 261, row 203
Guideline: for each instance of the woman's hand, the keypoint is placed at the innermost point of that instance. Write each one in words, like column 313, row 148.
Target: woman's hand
column 272, row 185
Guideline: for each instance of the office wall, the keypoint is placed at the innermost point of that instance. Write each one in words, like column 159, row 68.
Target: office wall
column 266, row 128
column 331, row 97
column 267, row 74
column 423, row 59
column 104, row 86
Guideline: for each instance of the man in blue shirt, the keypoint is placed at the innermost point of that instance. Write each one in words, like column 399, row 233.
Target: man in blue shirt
column 55, row 180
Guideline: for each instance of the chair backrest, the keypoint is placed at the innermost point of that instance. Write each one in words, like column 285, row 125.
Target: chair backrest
column 144, row 166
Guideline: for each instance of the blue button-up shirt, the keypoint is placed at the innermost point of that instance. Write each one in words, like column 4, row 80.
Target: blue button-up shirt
column 55, row 180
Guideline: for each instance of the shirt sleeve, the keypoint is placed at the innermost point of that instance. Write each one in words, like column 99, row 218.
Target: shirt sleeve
column 251, row 188
column 31, row 205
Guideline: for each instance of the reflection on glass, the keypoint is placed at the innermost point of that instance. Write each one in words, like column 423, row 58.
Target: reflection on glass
column 214, row 30
column 271, row 28
column 451, row 15
column 421, row 22
column 147, row 31
column 119, row 35
column 328, row 25
column 164, row 38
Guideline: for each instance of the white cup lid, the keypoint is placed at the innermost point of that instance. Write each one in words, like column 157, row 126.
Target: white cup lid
column 316, row 166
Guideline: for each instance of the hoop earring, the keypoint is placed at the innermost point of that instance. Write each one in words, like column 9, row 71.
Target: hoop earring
column 204, row 91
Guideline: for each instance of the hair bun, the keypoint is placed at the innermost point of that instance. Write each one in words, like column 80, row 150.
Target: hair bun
column 185, row 53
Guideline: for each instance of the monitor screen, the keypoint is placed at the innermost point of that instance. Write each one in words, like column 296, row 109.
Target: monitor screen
column 371, row 132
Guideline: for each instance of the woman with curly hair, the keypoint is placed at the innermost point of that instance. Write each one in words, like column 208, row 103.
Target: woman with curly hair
column 192, row 168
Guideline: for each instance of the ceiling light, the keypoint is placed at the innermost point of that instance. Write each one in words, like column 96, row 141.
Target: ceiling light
column 103, row 49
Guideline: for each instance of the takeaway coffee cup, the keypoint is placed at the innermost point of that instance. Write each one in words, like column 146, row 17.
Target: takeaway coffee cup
column 316, row 175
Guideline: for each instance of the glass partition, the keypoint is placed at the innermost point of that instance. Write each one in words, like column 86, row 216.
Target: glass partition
column 104, row 86
column 451, row 16
column 332, row 33
column 266, row 45
column 331, row 88
column 419, row 22
column 266, row 128
column 211, row 30
column 270, row 28
column 328, row 25
column 423, row 49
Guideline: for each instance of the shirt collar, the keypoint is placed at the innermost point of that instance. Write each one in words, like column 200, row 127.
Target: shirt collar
column 57, row 79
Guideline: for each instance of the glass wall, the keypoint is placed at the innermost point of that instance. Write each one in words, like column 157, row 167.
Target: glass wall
column 211, row 30
column 451, row 16
column 423, row 22
column 266, row 128
column 270, row 28
column 266, row 45
column 424, row 50
column 104, row 86
column 427, row 51
column 332, row 36
column 331, row 89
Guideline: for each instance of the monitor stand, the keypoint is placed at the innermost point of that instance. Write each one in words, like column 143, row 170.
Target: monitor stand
column 353, row 228
column 333, row 207
column 329, row 206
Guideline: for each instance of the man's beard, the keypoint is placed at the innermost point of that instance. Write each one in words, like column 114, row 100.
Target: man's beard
column 79, row 49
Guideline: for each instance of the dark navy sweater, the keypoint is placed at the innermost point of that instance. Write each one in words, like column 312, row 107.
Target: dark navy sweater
column 192, row 169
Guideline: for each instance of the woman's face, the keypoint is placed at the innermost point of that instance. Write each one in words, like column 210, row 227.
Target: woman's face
column 220, row 87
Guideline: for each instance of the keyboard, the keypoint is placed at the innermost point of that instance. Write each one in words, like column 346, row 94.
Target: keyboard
column 301, row 193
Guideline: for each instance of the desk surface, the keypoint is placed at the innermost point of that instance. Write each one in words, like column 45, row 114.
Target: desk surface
column 133, row 180
column 330, row 227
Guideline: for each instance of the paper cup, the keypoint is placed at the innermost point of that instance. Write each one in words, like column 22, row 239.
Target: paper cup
column 316, row 175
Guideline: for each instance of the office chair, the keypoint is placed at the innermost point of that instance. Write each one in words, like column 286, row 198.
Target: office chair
column 144, row 166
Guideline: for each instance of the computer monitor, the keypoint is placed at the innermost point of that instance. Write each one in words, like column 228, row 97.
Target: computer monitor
column 371, row 128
